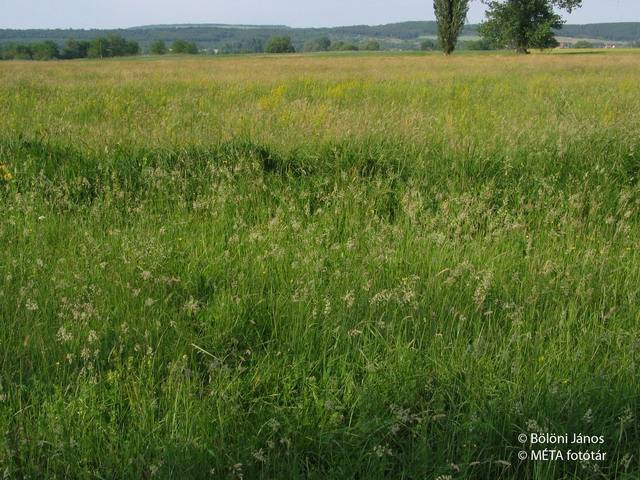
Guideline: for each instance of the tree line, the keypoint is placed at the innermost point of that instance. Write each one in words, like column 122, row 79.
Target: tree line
column 117, row 46
column 515, row 24
column 283, row 44
column 100, row 47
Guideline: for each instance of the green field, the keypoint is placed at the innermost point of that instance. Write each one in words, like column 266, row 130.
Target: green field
column 320, row 267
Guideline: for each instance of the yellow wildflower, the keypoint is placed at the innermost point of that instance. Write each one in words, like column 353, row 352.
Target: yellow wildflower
column 5, row 174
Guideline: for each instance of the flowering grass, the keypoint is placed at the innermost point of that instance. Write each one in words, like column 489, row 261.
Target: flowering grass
column 323, row 267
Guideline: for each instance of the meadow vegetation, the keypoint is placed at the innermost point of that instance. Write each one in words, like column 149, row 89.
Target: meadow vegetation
column 322, row 267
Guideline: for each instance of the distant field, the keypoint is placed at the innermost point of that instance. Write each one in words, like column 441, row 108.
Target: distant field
column 323, row 267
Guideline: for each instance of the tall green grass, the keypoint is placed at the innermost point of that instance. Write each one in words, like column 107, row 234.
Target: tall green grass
column 390, row 273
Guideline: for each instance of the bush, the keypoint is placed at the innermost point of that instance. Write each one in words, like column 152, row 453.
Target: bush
column 428, row 45
column 45, row 51
column 322, row 44
column 371, row 46
column 344, row 47
column 481, row 44
column 183, row 47
column 99, row 48
column 158, row 48
column 583, row 44
column 75, row 49
column 112, row 46
column 280, row 45
column 15, row 51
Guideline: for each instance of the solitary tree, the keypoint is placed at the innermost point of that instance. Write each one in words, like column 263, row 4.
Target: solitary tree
column 182, row 46
column 524, row 24
column 158, row 47
column 280, row 45
column 451, row 15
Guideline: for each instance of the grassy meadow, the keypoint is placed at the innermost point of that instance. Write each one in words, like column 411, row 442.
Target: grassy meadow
column 323, row 267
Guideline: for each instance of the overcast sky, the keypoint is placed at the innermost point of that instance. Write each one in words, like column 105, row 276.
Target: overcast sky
column 296, row 13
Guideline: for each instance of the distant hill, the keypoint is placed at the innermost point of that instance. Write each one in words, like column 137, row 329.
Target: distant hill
column 203, row 25
column 615, row 32
column 248, row 38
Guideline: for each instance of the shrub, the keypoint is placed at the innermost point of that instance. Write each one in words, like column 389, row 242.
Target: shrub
column 280, row 45
column 158, row 48
column 75, row 49
column 321, row 44
column 45, row 51
column 371, row 46
column 15, row 51
column 112, row 46
column 481, row 44
column 583, row 44
column 428, row 45
column 344, row 47
column 183, row 47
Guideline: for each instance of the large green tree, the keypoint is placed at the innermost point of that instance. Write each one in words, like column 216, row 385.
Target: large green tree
column 158, row 47
column 280, row 45
column 112, row 46
column 76, row 49
column 184, row 47
column 524, row 24
column 451, row 15
column 45, row 51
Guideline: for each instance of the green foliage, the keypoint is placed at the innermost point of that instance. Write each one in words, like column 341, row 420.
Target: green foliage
column 476, row 45
column 184, row 47
column 45, row 51
column 279, row 45
column 112, row 46
column 344, row 47
column 15, row 51
column 583, row 44
column 76, row 49
column 321, row 44
column 451, row 15
column 371, row 46
column 99, row 48
column 251, row 45
column 428, row 45
column 158, row 48
column 524, row 24
column 623, row 31
column 234, row 39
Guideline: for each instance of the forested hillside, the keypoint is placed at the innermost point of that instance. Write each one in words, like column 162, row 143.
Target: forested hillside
column 247, row 38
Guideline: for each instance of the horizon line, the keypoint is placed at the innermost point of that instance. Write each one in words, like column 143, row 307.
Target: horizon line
column 240, row 25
